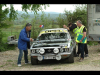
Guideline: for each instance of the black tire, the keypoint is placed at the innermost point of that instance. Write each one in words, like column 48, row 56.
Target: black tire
column 74, row 51
column 70, row 59
column 34, row 61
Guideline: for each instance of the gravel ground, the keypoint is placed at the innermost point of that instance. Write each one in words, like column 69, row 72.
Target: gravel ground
column 8, row 62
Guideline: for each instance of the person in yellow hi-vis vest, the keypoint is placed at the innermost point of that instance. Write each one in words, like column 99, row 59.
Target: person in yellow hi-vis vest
column 81, row 38
column 73, row 27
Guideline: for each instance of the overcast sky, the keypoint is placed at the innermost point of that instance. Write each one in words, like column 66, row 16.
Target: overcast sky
column 52, row 7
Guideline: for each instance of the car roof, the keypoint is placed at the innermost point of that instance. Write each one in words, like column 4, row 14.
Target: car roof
column 55, row 29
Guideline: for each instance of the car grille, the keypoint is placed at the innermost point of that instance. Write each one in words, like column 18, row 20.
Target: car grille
column 48, row 50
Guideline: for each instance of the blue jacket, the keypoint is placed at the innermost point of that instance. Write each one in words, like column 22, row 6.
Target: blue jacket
column 23, row 39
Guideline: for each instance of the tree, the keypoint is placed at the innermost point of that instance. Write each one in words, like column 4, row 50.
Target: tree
column 80, row 13
column 33, row 7
column 25, row 17
column 43, row 20
column 13, row 15
column 61, row 20
column 34, row 33
column 46, row 20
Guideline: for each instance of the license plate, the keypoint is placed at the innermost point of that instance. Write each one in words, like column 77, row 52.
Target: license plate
column 48, row 57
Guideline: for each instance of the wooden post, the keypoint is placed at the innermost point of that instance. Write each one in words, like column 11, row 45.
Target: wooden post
column 33, row 31
column 52, row 23
column 11, row 31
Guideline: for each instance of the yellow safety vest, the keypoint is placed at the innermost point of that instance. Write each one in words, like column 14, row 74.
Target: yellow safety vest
column 75, row 31
column 80, row 32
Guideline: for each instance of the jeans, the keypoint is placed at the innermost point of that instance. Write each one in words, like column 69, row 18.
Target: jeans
column 21, row 54
column 85, row 49
column 81, row 49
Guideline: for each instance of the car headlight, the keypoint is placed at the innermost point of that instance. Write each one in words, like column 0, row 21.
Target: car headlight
column 61, row 50
column 41, row 51
column 66, row 49
column 33, row 51
column 56, row 50
column 37, row 50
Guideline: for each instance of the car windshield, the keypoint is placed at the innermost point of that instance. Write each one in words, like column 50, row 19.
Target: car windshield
column 53, row 36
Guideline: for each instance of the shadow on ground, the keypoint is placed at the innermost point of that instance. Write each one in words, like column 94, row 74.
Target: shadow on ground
column 52, row 62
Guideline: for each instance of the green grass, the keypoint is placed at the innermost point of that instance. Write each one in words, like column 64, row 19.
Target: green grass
column 1, row 65
column 9, row 61
column 92, row 43
column 57, row 68
column 14, row 30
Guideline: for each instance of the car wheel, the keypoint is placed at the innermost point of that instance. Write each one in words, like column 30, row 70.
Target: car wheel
column 34, row 61
column 74, row 51
column 70, row 59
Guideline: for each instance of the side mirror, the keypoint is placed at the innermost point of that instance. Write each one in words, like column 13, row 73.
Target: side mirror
column 72, row 37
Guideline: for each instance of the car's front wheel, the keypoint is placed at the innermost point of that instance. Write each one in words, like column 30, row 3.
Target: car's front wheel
column 74, row 51
column 34, row 61
column 70, row 59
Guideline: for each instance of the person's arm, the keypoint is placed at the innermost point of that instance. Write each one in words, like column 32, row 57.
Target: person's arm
column 84, row 34
column 70, row 28
column 23, row 37
column 66, row 27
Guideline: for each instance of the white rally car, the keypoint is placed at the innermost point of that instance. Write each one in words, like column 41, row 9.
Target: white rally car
column 54, row 44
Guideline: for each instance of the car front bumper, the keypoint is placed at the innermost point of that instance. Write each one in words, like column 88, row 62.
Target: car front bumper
column 58, row 56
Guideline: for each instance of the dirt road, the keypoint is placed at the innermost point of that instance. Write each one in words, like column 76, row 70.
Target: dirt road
column 8, row 62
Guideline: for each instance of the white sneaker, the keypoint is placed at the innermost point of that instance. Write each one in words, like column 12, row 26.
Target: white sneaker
column 19, row 65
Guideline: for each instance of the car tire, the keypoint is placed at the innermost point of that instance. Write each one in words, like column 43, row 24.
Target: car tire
column 74, row 51
column 34, row 61
column 70, row 59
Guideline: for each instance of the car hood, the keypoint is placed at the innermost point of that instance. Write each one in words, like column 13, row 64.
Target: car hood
column 36, row 45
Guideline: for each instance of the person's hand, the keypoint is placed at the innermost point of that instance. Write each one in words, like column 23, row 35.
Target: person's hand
column 80, row 40
column 64, row 26
column 31, row 39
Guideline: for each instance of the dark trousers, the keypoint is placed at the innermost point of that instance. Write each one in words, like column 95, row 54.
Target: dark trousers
column 21, row 54
column 81, row 49
column 85, row 49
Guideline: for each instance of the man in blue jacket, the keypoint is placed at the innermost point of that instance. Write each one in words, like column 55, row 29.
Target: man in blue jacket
column 24, row 43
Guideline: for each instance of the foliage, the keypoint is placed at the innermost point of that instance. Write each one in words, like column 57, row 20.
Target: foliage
column 5, row 47
column 25, row 17
column 80, row 13
column 21, row 21
column 6, row 22
column 33, row 7
column 61, row 20
column 92, row 43
column 44, row 20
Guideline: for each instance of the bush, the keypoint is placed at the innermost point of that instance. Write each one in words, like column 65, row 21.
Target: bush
column 5, row 47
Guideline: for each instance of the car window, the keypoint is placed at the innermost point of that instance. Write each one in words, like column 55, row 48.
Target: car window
column 51, row 36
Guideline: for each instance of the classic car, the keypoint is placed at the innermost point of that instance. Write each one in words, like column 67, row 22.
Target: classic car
column 54, row 44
